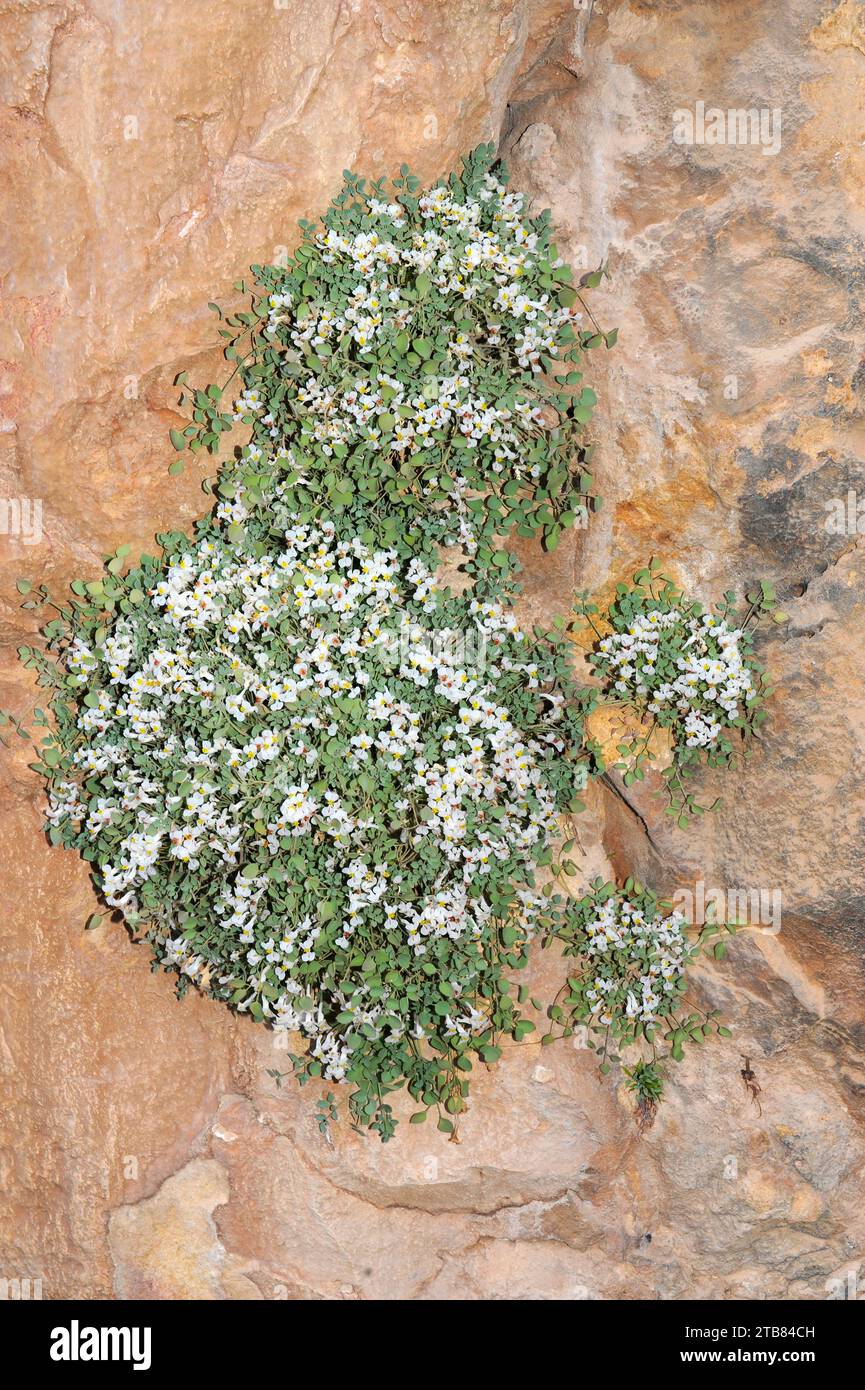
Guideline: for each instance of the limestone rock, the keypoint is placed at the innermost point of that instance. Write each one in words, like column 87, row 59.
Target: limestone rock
column 151, row 154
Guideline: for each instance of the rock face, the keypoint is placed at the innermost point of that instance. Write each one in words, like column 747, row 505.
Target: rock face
column 152, row 153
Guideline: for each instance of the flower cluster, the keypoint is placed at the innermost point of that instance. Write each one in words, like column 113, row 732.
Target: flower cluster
column 632, row 954
column 281, row 766
column 683, row 669
column 419, row 347
column 687, row 669
column 639, row 960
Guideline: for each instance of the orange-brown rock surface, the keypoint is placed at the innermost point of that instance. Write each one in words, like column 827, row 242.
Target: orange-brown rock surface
column 151, row 153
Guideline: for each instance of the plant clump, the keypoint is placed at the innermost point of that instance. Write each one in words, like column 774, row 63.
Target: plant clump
column 323, row 787
column 415, row 366
column 683, row 667
column 634, row 952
